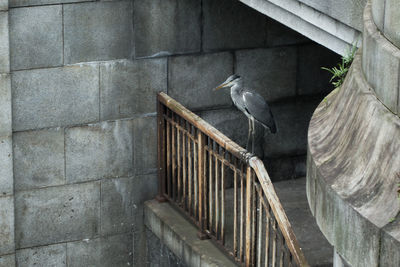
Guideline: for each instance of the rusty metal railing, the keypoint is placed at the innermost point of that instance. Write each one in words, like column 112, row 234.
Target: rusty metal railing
column 225, row 191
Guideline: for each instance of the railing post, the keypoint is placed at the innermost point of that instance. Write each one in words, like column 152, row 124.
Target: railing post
column 201, row 177
column 161, row 151
column 247, row 255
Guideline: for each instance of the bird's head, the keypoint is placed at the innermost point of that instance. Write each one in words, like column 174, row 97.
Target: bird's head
column 231, row 81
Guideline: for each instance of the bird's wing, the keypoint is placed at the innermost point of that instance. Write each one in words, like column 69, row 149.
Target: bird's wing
column 259, row 109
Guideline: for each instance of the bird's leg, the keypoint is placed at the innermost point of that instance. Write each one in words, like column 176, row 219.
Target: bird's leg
column 253, row 131
column 248, row 135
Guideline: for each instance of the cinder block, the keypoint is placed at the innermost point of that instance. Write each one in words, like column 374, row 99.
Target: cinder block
column 166, row 26
column 102, row 252
column 279, row 35
column 271, row 72
column 36, row 37
column 5, row 105
column 311, row 58
column 38, row 158
column 230, row 24
column 7, row 260
column 20, row 3
column 130, row 87
column 145, row 146
column 6, row 166
column 55, row 97
column 193, row 78
column 392, row 22
column 7, row 225
column 98, row 31
column 57, row 214
column 292, row 119
column 4, row 43
column 53, row 255
column 102, row 150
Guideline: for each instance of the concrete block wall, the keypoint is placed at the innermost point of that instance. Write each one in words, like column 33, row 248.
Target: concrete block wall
column 78, row 155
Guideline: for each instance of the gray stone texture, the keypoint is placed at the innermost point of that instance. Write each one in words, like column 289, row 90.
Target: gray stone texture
column 145, row 145
column 335, row 9
column 7, row 244
column 311, row 79
column 3, row 5
column 378, row 11
column 230, row 24
column 5, row 105
column 101, row 252
column 57, row 214
column 102, row 150
column 390, row 243
column 392, row 22
column 381, row 59
column 4, row 43
column 7, row 260
column 191, row 79
column 38, row 158
column 21, row 3
column 278, row 35
column 36, row 38
column 270, row 72
column 122, row 202
column 98, row 31
column 6, row 166
column 130, row 87
column 55, row 97
column 53, row 255
column 166, row 26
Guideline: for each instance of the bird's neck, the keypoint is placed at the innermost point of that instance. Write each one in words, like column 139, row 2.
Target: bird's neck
column 236, row 87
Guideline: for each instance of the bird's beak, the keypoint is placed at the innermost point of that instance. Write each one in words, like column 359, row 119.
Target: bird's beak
column 220, row 86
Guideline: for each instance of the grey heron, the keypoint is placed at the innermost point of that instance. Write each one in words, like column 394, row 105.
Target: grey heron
column 251, row 104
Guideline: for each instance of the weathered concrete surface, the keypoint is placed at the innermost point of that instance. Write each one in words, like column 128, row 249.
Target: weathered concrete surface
column 39, row 158
column 98, row 31
column 102, row 252
column 353, row 162
column 145, row 148
column 180, row 236
column 249, row 29
column 270, row 72
column 3, row 5
column 280, row 35
column 386, row 17
column 166, row 26
column 390, row 252
column 6, row 225
column 57, row 214
column 53, row 255
column 381, row 59
column 96, row 151
column 191, row 79
column 7, row 260
column 5, row 105
column 21, row 3
column 130, row 87
column 55, row 97
column 36, row 38
column 4, row 43
column 292, row 194
column 6, row 166
column 319, row 27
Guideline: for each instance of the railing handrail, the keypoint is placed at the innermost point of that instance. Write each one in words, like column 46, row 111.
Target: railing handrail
column 254, row 162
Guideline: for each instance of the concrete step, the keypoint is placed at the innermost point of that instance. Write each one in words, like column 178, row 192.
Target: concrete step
column 180, row 235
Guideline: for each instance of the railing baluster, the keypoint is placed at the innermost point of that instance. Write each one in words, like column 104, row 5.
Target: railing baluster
column 248, row 217
column 241, row 213
column 210, row 189
column 259, row 232
column 190, row 171
column 267, row 222
column 235, row 211
column 253, row 219
column 173, row 158
column 274, row 243
column 201, row 178
column 169, row 155
column 179, row 163
column 216, row 195
column 223, row 202
column 184, row 166
column 195, row 178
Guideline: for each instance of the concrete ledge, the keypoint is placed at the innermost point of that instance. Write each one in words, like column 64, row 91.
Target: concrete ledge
column 381, row 63
column 353, row 162
column 310, row 22
column 180, row 236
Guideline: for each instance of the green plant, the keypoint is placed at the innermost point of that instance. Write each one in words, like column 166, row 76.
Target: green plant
column 339, row 72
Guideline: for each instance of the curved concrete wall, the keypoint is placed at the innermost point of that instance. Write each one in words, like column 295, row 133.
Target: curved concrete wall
column 386, row 14
column 381, row 63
